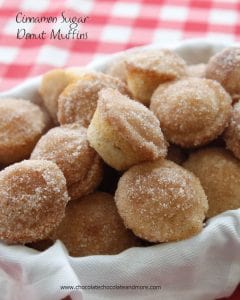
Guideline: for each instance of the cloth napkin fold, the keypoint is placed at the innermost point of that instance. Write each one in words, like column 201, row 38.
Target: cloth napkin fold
column 206, row 266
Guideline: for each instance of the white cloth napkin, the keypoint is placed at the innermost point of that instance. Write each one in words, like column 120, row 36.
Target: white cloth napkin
column 204, row 267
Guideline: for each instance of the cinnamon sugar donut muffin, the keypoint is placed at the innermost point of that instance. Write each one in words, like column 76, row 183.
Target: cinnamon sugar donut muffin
column 161, row 202
column 68, row 147
column 124, row 132
column 225, row 68
column 92, row 226
column 33, row 196
column 232, row 133
column 192, row 111
column 198, row 70
column 53, row 83
column 78, row 101
column 21, row 125
column 147, row 69
column 219, row 173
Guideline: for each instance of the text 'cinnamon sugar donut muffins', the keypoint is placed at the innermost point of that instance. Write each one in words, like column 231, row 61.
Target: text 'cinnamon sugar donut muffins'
column 225, row 68
column 92, row 226
column 147, row 69
column 192, row 111
column 69, row 148
column 21, row 125
column 219, row 173
column 53, row 83
column 161, row 202
column 124, row 132
column 33, row 196
column 232, row 133
column 78, row 101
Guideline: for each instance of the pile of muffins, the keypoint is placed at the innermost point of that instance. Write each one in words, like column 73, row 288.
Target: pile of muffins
column 144, row 152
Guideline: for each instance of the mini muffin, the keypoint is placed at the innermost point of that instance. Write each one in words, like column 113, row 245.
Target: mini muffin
column 21, row 125
column 225, row 68
column 192, row 111
column 161, row 202
column 92, row 226
column 198, row 70
column 219, row 173
column 147, row 69
column 124, row 132
column 117, row 69
column 232, row 133
column 33, row 197
column 53, row 83
column 68, row 147
column 78, row 101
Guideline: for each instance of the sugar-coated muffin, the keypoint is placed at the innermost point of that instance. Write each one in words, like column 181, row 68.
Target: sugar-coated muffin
column 78, row 102
column 92, row 226
column 161, row 202
column 192, row 111
column 21, row 125
column 53, row 83
column 219, row 173
column 69, row 148
column 124, row 132
column 33, row 197
column 225, row 68
column 147, row 69
column 232, row 133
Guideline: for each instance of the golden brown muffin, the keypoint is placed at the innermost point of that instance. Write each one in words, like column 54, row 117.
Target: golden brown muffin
column 192, row 111
column 232, row 133
column 161, row 202
column 147, row 69
column 33, row 196
column 198, row 70
column 124, row 132
column 219, row 173
column 78, row 101
column 69, row 148
column 21, row 125
column 225, row 68
column 92, row 226
column 53, row 83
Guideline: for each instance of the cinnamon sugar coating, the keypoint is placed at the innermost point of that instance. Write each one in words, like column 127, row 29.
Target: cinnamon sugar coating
column 53, row 83
column 124, row 132
column 225, row 68
column 232, row 133
column 78, row 101
column 68, row 147
column 161, row 202
column 92, row 226
column 21, row 125
column 149, row 68
column 219, row 173
column 118, row 69
column 192, row 111
column 33, row 196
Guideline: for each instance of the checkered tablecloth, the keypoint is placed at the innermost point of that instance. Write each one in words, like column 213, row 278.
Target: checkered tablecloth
column 112, row 26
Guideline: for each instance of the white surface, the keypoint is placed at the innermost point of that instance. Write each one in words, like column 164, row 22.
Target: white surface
column 204, row 267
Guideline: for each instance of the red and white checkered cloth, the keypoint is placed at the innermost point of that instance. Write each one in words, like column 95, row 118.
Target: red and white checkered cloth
column 113, row 26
